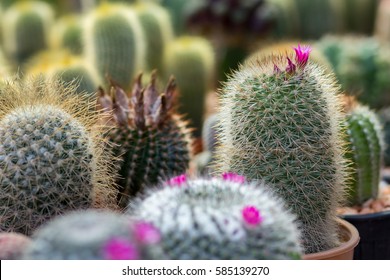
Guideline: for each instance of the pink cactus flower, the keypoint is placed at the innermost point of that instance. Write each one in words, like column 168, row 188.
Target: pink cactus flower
column 251, row 215
column 146, row 233
column 277, row 69
column 233, row 177
column 177, row 181
column 302, row 55
column 119, row 249
column 291, row 67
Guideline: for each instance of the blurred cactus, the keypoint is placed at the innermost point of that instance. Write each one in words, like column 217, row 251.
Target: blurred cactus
column 219, row 219
column 157, row 28
column 114, row 42
column 177, row 10
column 384, row 117
column 67, row 34
column 190, row 59
column 51, row 155
column 12, row 245
column 365, row 151
column 26, row 27
column 93, row 235
column 360, row 15
column 287, row 20
column 281, row 123
column 151, row 139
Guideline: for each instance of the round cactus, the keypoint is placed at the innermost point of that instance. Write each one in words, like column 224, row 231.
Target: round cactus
column 51, row 155
column 114, row 42
column 157, row 28
column 12, row 245
column 191, row 58
column 93, row 235
column 365, row 151
column 26, row 28
column 219, row 218
column 67, row 33
column 150, row 138
column 281, row 122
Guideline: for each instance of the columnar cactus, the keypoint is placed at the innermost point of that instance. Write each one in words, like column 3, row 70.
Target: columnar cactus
column 12, row 245
column 151, row 139
column 51, row 155
column 157, row 28
column 26, row 27
column 365, row 151
column 384, row 117
column 287, row 20
column 114, row 42
column 191, row 58
column 93, row 235
column 67, row 33
column 219, row 218
column 281, row 123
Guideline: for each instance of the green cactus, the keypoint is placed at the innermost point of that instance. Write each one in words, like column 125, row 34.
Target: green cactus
column 365, row 151
column 177, row 10
column 12, row 245
column 26, row 28
column 217, row 218
column 287, row 21
column 384, row 117
column 114, row 42
column 151, row 139
column 362, row 65
column 51, row 155
column 360, row 15
column 190, row 59
column 282, row 124
column 157, row 28
column 93, row 235
column 67, row 33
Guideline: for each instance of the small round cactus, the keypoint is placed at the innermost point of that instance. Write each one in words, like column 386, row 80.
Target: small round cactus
column 12, row 245
column 152, row 141
column 67, row 33
column 219, row 218
column 51, row 155
column 93, row 235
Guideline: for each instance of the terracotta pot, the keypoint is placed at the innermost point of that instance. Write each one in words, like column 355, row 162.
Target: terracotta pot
column 350, row 239
column 374, row 230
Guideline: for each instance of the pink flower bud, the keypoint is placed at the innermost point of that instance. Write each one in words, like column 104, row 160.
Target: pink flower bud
column 119, row 249
column 146, row 233
column 177, row 181
column 302, row 55
column 228, row 176
column 251, row 215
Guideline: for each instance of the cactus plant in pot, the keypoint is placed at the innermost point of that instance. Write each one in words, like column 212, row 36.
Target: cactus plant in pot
column 281, row 122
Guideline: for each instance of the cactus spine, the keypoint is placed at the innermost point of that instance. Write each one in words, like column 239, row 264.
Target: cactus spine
column 51, row 155
column 151, row 139
column 188, row 58
column 282, row 124
column 219, row 218
column 93, row 235
column 365, row 151
column 26, row 28
column 114, row 42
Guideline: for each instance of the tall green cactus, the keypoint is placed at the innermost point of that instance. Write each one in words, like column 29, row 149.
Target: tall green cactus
column 51, row 155
column 219, row 218
column 26, row 28
column 365, row 151
column 114, row 42
column 67, row 33
column 191, row 60
column 281, row 123
column 151, row 139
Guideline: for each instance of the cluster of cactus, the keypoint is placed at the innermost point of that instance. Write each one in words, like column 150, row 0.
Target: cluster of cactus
column 219, row 218
column 365, row 153
column 188, row 58
column 281, row 122
column 67, row 34
column 12, row 245
column 362, row 66
column 94, row 235
column 51, row 155
column 151, row 139
column 26, row 28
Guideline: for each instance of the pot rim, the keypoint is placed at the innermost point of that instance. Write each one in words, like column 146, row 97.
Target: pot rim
column 372, row 216
column 353, row 240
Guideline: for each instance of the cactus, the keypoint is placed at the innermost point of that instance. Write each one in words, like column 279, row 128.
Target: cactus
column 177, row 10
column 219, row 218
column 26, row 28
column 191, row 58
column 362, row 65
column 384, row 117
column 151, row 139
column 93, row 235
column 51, row 155
column 114, row 42
column 365, row 151
column 282, row 124
column 287, row 21
column 157, row 27
column 360, row 15
column 67, row 33
column 12, row 245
